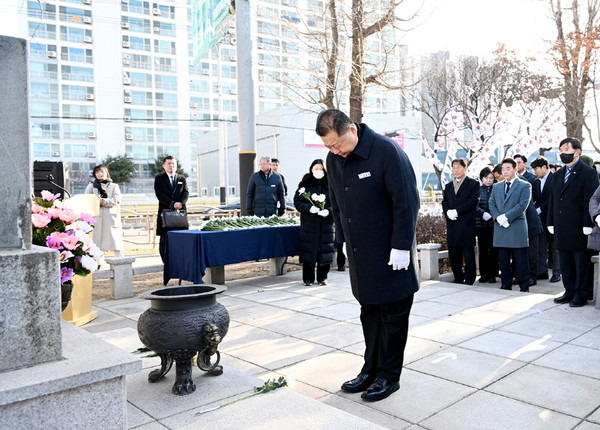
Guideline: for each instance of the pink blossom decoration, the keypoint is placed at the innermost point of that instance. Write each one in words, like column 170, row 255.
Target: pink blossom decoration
column 70, row 242
column 48, row 196
column 37, row 209
column 53, row 242
column 66, row 274
column 87, row 218
column 68, row 216
column 40, row 220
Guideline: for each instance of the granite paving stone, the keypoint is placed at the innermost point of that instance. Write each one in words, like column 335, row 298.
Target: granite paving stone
column 570, row 394
column 591, row 339
column 447, row 332
column 337, row 335
column 512, row 345
column 556, row 331
column 573, row 359
column 339, row 311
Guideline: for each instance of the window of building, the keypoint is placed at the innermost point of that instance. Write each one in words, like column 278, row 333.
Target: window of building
column 139, row 134
column 163, row 151
column 199, row 85
column 78, row 131
column 46, row 150
column 137, row 24
column 80, row 150
column 42, row 90
column 164, row 47
column 167, row 135
column 140, row 97
column 136, row 6
column 41, row 50
column 163, row 28
column 267, row 28
column 42, row 30
column 269, row 60
column 41, row 109
column 79, row 111
column 166, row 82
column 231, row 190
column 75, row 73
column 163, row 11
column 139, row 43
column 76, row 54
column 43, row 70
column 72, row 14
column 139, row 115
column 165, row 64
column 166, row 99
column 166, row 117
column 74, row 34
column 45, row 130
column 203, row 192
column 41, row 10
column 139, row 79
column 200, row 103
column 141, row 152
column 74, row 92
column 142, row 170
column 228, row 71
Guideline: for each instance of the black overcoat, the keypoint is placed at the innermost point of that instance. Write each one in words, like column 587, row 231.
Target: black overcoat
column 375, row 204
column 316, row 232
column 168, row 196
column 462, row 231
column 482, row 207
column 264, row 191
column 569, row 204
column 541, row 198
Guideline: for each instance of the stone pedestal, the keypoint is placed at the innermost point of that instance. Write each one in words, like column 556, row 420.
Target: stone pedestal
column 30, row 304
column 122, row 281
column 84, row 390
column 429, row 261
column 214, row 275
column 278, row 266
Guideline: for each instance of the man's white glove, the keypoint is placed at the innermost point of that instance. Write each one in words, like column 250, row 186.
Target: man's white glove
column 587, row 230
column 323, row 212
column 598, row 220
column 538, row 210
column 551, row 229
column 486, row 216
column 452, row 214
column 314, row 209
column 505, row 225
column 502, row 220
column 399, row 259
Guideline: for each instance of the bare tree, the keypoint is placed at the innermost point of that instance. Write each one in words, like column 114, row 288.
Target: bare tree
column 575, row 53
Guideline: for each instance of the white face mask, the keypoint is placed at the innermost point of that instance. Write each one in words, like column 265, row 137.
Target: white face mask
column 318, row 174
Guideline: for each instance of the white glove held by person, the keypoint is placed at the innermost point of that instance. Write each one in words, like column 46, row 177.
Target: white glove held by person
column 505, row 225
column 598, row 220
column 502, row 220
column 314, row 209
column 587, row 230
column 538, row 210
column 399, row 259
column 551, row 229
column 486, row 216
column 323, row 212
column 452, row 214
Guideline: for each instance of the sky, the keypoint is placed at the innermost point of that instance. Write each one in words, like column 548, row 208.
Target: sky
column 475, row 27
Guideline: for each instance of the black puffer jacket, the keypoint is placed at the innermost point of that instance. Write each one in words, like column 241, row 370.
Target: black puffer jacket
column 264, row 191
column 316, row 232
column 482, row 207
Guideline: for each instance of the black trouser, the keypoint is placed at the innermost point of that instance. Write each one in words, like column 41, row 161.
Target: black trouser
column 385, row 328
column 488, row 255
column 521, row 262
column 533, row 252
column 341, row 258
column 575, row 268
column 161, row 246
column 308, row 272
column 455, row 255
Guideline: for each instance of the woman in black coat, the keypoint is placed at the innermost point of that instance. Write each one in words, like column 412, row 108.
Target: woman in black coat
column 488, row 255
column 316, row 224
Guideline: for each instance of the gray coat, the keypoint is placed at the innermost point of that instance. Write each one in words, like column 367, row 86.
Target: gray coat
column 375, row 203
column 514, row 207
column 594, row 209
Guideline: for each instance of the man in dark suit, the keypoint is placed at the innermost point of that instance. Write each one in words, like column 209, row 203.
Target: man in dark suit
column 265, row 193
column 459, row 204
column 548, row 254
column 375, row 203
column 570, row 222
column 508, row 203
column 522, row 172
column 172, row 193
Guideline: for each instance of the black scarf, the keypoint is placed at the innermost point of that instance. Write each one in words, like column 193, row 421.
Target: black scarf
column 102, row 186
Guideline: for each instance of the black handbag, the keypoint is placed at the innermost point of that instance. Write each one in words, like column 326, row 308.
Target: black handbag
column 172, row 218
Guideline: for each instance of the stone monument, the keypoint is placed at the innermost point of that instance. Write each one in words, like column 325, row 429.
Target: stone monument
column 52, row 374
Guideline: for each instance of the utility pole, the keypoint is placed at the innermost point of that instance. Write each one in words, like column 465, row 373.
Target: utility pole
column 222, row 139
column 246, row 105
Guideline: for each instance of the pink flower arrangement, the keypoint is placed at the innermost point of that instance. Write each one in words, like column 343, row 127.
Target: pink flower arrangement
column 57, row 227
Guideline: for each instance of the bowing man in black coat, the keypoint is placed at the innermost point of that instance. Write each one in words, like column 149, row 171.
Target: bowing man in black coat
column 172, row 193
column 570, row 221
column 316, row 224
column 375, row 202
column 459, row 204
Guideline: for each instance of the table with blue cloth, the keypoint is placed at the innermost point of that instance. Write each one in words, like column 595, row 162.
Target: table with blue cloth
column 190, row 252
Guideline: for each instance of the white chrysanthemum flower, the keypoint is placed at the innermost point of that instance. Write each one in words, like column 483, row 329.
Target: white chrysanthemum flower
column 88, row 262
column 301, row 190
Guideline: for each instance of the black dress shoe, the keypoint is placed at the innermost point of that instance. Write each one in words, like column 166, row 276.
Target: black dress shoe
column 524, row 290
column 565, row 298
column 484, row 279
column 322, row 282
column 456, row 281
column 532, row 282
column 506, row 287
column 341, row 269
column 543, row 276
column 555, row 278
column 358, row 384
column 492, row 280
column 515, row 282
column 308, row 284
column 577, row 303
column 380, row 389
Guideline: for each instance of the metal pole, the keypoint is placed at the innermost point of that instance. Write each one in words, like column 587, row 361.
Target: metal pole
column 222, row 195
column 246, row 104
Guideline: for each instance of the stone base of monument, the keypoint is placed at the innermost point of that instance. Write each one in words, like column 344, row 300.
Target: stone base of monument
column 86, row 389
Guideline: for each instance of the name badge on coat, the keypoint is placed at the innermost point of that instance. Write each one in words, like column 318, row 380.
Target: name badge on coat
column 364, row 175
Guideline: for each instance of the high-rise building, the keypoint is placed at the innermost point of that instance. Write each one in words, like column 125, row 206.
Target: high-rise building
column 117, row 78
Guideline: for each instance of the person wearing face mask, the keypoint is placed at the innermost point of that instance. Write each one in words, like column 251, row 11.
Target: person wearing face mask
column 570, row 222
column 316, row 224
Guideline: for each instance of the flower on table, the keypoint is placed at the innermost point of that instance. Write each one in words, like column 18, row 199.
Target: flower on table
column 48, row 196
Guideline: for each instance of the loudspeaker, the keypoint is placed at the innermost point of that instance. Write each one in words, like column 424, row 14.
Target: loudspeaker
column 44, row 170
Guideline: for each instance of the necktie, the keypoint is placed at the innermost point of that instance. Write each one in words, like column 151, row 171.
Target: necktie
column 507, row 188
column 567, row 173
column 171, row 180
